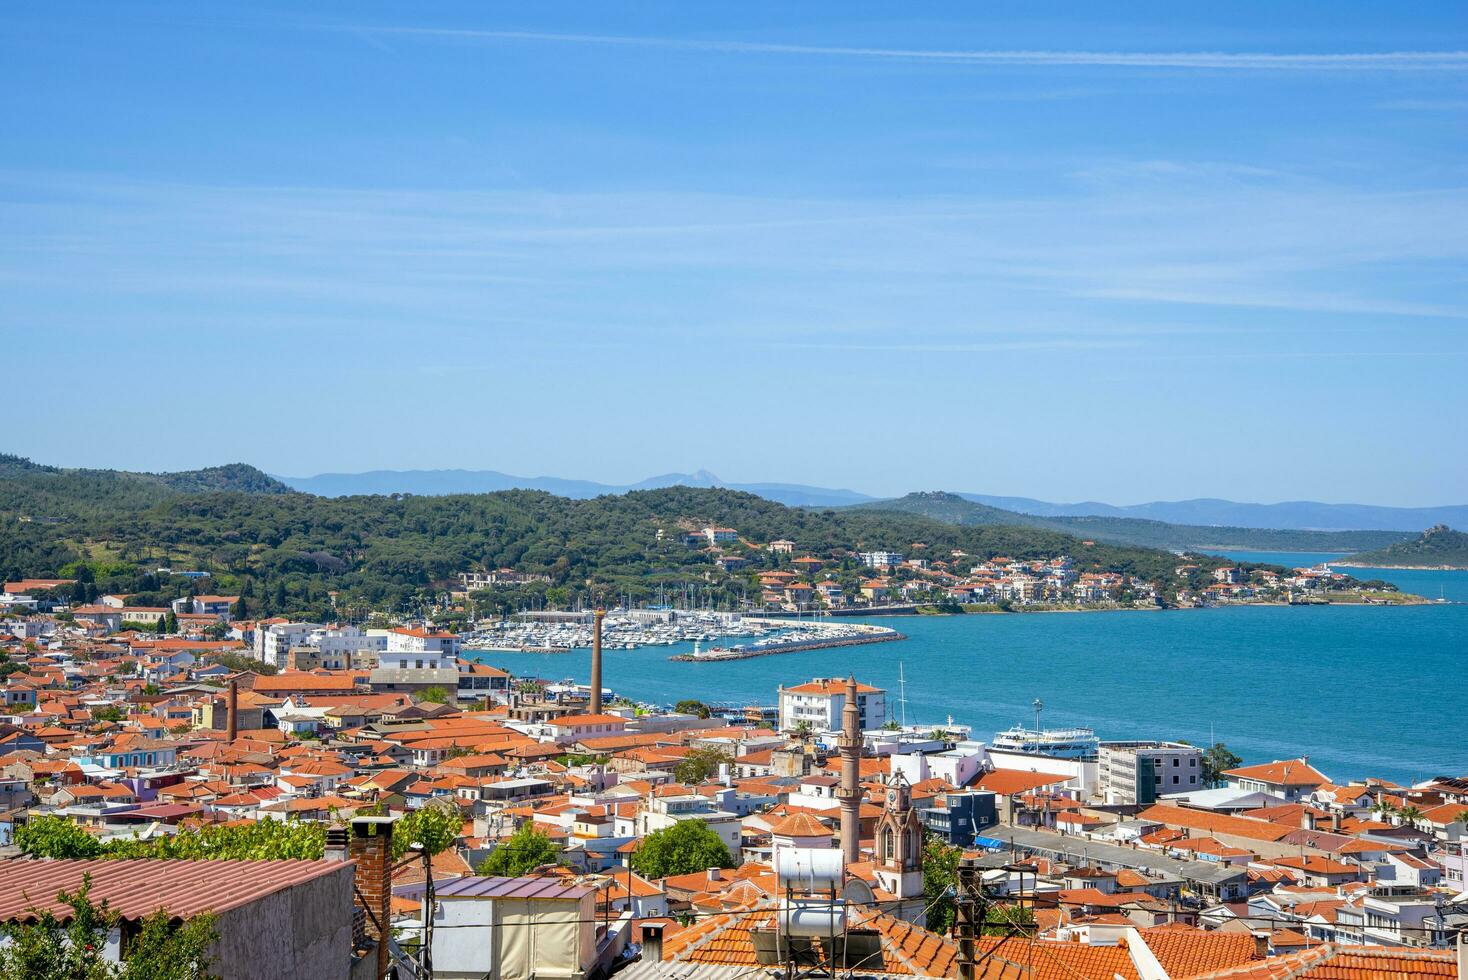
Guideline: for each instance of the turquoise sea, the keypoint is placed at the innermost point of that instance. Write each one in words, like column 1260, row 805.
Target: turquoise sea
column 1361, row 690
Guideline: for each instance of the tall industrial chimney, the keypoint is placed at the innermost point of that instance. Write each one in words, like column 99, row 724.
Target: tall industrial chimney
column 234, row 711
column 596, row 619
column 849, row 792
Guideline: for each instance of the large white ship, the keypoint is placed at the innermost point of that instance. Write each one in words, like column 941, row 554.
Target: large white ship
column 1057, row 743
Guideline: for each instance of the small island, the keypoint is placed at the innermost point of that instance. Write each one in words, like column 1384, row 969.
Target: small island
column 1438, row 547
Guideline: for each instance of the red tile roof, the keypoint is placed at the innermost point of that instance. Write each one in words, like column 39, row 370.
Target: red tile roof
column 1289, row 772
column 1331, row 962
column 138, row 888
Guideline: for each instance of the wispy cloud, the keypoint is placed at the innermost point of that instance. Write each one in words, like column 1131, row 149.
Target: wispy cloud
column 967, row 273
column 1055, row 345
column 1455, row 61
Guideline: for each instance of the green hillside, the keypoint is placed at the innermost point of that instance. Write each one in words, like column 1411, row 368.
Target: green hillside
column 289, row 553
column 954, row 509
column 1438, row 547
column 39, row 492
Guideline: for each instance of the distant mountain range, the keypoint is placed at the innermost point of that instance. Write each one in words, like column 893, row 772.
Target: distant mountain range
column 1302, row 515
column 952, row 508
column 439, row 482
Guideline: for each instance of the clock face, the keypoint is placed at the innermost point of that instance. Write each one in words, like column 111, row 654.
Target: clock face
column 892, row 796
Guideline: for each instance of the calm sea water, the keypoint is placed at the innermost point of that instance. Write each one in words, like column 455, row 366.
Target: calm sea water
column 1361, row 690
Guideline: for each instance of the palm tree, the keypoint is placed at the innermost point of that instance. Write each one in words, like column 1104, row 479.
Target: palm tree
column 1409, row 815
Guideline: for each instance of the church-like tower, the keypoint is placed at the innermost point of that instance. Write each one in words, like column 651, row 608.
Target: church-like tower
column 899, row 842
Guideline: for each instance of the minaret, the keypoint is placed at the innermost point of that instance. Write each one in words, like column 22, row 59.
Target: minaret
column 849, row 792
column 596, row 619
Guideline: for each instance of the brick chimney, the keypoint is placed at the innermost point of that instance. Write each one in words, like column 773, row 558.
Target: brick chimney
column 233, row 725
column 371, row 848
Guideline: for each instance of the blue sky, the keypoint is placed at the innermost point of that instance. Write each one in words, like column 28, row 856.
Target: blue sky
column 1107, row 251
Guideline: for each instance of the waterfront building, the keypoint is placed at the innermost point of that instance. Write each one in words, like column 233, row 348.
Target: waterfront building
column 1289, row 780
column 819, row 703
column 1140, row 772
column 422, row 642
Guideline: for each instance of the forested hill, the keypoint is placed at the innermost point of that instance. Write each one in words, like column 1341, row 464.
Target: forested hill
column 952, row 508
column 288, row 552
column 1437, row 547
column 38, row 492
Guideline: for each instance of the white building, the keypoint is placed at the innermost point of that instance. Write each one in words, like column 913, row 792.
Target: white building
column 957, row 766
column 661, row 812
column 274, row 640
column 721, row 535
column 349, row 645
column 881, row 559
column 1140, row 772
column 819, row 704
column 420, row 647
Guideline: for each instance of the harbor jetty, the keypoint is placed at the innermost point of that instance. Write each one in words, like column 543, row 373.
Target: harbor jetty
column 803, row 635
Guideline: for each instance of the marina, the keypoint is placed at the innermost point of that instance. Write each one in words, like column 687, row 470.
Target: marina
column 621, row 630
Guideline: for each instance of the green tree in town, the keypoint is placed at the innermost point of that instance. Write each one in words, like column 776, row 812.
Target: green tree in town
column 701, row 764
column 689, row 706
column 1216, row 761
column 1004, row 919
column 940, row 877
column 434, row 695
column 53, row 836
column 526, row 850
column 170, row 622
column 431, row 829
column 685, row 847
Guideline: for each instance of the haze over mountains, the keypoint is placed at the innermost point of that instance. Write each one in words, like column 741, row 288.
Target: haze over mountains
column 1291, row 515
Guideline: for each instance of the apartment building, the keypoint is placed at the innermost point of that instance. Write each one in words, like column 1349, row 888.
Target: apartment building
column 1140, row 772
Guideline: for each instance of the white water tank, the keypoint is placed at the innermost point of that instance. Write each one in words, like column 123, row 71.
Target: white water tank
column 813, row 918
column 809, row 869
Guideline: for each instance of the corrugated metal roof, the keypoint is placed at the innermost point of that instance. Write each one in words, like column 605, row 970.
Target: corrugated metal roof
column 546, row 888
column 139, row 888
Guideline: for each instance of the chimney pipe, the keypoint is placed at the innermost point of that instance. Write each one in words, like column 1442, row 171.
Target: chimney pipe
column 596, row 619
column 233, row 728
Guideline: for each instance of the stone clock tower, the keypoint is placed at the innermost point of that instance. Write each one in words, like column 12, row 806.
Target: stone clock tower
column 899, row 842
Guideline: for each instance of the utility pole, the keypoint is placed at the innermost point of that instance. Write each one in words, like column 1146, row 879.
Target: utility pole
column 970, row 911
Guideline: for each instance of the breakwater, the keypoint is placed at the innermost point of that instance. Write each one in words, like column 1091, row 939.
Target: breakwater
column 875, row 634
